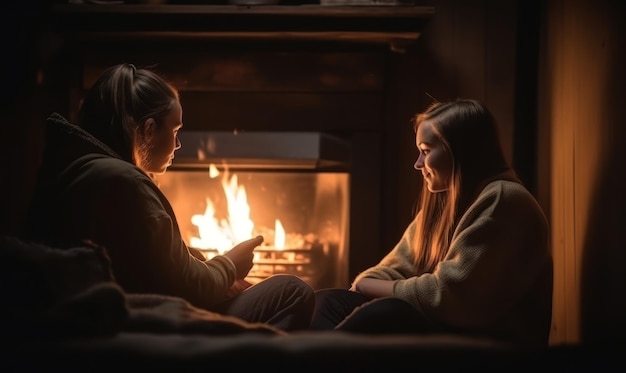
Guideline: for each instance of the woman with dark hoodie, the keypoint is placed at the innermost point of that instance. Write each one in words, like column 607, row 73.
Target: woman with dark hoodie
column 95, row 184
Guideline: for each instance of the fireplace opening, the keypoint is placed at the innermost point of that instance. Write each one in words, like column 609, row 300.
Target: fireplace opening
column 292, row 188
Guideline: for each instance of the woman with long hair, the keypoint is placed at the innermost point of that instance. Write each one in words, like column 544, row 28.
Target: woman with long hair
column 475, row 260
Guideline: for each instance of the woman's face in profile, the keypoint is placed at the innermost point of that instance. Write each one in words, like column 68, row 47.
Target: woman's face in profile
column 162, row 142
column 434, row 161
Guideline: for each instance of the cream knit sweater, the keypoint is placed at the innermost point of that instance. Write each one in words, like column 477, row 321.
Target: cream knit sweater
column 496, row 279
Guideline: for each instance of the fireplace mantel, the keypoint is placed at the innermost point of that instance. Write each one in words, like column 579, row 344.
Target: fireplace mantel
column 398, row 26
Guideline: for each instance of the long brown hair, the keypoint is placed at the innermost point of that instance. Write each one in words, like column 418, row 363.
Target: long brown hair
column 122, row 98
column 469, row 133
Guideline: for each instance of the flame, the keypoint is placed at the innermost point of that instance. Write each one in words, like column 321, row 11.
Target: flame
column 223, row 235
column 213, row 171
column 279, row 235
column 213, row 234
column 238, row 210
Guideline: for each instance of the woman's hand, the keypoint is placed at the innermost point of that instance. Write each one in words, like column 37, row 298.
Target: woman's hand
column 373, row 287
column 242, row 256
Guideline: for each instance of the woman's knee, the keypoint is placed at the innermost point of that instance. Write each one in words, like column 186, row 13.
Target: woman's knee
column 292, row 284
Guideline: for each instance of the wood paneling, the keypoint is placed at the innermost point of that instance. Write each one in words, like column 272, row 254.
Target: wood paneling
column 195, row 69
column 396, row 26
column 582, row 120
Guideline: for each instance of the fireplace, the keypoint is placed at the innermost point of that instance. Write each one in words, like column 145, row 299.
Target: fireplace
column 292, row 188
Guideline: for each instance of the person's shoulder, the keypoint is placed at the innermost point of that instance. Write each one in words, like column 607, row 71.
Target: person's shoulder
column 118, row 182
column 103, row 163
column 507, row 188
column 111, row 170
column 512, row 197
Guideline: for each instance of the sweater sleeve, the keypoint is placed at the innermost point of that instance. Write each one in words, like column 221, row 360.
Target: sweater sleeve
column 399, row 262
column 497, row 252
column 202, row 283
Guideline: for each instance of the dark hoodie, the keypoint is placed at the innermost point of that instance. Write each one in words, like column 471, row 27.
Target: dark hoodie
column 85, row 191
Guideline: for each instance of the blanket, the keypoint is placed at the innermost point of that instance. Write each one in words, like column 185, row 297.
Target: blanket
column 53, row 294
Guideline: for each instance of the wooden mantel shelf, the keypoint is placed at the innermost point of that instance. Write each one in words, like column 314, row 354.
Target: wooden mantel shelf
column 397, row 25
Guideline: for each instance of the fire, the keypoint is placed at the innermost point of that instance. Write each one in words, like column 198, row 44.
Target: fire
column 222, row 235
column 279, row 235
column 213, row 171
column 213, row 234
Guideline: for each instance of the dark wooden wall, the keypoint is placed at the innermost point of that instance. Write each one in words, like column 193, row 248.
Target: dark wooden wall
column 582, row 139
column 24, row 102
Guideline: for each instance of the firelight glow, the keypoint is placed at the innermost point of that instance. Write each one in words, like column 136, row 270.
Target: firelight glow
column 222, row 235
